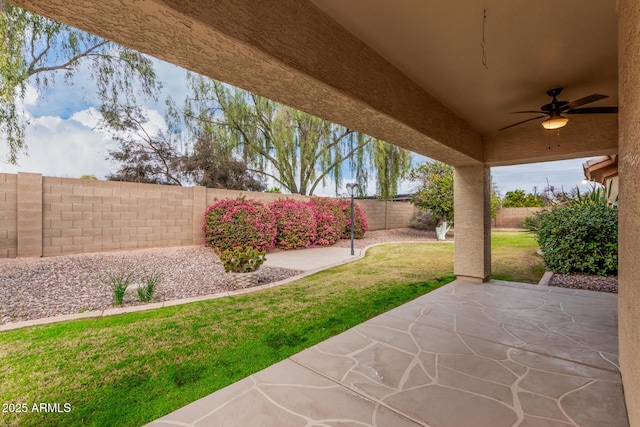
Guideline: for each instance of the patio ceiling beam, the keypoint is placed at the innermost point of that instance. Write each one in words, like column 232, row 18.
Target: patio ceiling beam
column 583, row 136
column 286, row 50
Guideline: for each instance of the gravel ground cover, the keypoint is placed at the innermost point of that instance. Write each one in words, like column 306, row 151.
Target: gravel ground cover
column 33, row 288
column 589, row 283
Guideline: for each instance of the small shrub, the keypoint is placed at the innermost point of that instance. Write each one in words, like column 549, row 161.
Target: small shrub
column 295, row 222
column 359, row 218
column 241, row 259
column 422, row 221
column 151, row 280
column 330, row 220
column 118, row 282
column 231, row 223
column 579, row 238
column 532, row 223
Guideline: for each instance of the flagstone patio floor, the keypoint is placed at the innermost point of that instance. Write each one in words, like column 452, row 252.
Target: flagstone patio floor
column 493, row 354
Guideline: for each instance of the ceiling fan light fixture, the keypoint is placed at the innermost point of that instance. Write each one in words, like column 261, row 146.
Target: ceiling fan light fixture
column 555, row 122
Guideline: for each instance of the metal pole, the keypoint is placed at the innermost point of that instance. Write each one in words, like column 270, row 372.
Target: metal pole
column 352, row 234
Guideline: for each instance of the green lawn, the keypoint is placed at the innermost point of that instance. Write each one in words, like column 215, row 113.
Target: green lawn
column 131, row 369
column 514, row 257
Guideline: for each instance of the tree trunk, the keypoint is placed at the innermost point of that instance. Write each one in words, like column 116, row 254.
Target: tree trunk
column 442, row 229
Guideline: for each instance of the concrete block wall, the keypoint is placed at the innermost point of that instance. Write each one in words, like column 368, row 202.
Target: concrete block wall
column 513, row 217
column 45, row 216
column 8, row 216
column 399, row 214
column 29, row 218
column 376, row 213
column 385, row 215
column 92, row 216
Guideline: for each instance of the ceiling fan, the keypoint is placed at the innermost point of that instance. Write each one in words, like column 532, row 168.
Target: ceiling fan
column 555, row 109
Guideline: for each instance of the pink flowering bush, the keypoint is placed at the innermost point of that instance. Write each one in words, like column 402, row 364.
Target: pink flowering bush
column 295, row 222
column 330, row 220
column 359, row 219
column 232, row 223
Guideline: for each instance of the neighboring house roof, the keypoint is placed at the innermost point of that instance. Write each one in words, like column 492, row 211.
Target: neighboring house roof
column 600, row 169
column 396, row 198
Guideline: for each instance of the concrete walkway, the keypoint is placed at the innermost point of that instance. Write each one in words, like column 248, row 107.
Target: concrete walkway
column 311, row 259
column 494, row 354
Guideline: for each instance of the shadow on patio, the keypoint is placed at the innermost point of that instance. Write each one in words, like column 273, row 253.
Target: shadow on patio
column 494, row 354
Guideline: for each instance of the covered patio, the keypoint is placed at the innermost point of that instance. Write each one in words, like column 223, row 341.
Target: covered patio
column 496, row 354
column 442, row 79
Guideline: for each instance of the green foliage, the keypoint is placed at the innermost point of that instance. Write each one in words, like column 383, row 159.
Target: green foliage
column 274, row 190
column 297, row 150
column 118, row 282
column 496, row 203
column 89, row 177
column 241, row 259
column 435, row 190
column 392, row 163
column 597, row 196
column 37, row 51
column 579, row 237
column 520, row 199
column 151, row 280
column 531, row 223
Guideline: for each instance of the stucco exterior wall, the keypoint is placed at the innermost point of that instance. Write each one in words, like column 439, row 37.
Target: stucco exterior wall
column 472, row 251
column 629, row 201
column 45, row 216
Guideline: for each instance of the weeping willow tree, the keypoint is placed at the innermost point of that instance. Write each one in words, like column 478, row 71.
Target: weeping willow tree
column 297, row 150
column 37, row 51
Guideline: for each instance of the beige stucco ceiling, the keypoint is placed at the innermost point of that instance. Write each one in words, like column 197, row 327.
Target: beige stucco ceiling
column 530, row 46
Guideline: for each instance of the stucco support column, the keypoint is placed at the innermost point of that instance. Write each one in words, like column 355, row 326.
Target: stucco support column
column 629, row 213
column 472, row 189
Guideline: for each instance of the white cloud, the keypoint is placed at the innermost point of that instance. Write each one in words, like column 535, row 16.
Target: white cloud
column 64, row 148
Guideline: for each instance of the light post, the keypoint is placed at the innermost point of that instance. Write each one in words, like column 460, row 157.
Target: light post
column 351, row 189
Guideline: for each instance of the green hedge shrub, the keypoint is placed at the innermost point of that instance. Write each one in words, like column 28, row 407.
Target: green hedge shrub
column 579, row 238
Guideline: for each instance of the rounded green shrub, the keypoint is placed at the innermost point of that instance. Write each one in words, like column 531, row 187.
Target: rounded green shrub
column 579, row 238
column 296, row 224
column 232, row 223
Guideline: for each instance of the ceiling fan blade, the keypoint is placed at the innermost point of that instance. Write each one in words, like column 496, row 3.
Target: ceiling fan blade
column 593, row 110
column 524, row 121
column 528, row 112
column 582, row 101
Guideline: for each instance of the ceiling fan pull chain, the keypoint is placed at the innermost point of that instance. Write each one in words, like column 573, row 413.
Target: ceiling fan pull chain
column 484, row 43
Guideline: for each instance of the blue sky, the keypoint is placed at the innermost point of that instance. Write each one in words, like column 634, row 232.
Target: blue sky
column 63, row 141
